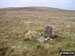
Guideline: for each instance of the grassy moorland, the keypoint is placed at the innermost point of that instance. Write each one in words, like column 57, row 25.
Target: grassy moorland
column 19, row 27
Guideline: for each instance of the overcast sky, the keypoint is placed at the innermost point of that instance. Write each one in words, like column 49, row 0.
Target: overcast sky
column 62, row 4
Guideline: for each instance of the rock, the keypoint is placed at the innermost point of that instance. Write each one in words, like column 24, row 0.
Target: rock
column 48, row 32
column 51, row 39
column 46, row 39
column 41, row 39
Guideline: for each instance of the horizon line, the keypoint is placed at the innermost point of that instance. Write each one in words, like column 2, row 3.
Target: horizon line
column 36, row 6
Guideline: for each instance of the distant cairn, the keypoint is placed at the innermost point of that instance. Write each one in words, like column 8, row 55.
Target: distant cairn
column 48, row 32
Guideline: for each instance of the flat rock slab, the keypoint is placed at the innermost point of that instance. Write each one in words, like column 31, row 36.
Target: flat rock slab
column 44, row 39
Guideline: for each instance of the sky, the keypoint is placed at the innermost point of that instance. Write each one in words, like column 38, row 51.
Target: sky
column 62, row 4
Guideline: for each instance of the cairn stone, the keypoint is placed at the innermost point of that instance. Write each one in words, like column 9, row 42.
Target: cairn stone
column 48, row 32
column 41, row 39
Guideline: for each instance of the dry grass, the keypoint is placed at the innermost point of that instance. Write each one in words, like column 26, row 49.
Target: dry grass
column 18, row 28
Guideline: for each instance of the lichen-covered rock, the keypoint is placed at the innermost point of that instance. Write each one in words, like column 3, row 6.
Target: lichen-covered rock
column 48, row 31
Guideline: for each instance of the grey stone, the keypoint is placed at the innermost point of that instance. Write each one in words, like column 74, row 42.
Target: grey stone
column 48, row 32
column 42, row 40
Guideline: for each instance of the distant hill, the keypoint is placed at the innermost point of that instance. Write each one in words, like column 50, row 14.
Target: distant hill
column 34, row 8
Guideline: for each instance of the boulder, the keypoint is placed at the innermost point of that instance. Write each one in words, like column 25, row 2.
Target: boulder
column 48, row 32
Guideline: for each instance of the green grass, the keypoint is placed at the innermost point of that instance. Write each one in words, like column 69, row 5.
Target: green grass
column 30, row 43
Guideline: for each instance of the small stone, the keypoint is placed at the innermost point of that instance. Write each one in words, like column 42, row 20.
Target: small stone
column 51, row 39
column 47, row 38
column 41, row 39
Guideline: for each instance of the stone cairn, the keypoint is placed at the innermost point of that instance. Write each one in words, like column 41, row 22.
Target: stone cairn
column 47, row 34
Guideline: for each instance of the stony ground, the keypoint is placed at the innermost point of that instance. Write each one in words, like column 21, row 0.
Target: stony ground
column 19, row 28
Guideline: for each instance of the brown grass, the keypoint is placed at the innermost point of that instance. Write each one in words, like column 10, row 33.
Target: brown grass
column 18, row 28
